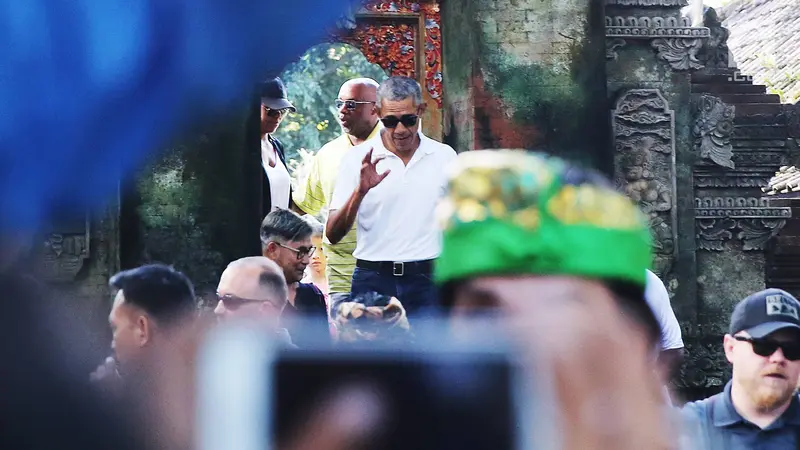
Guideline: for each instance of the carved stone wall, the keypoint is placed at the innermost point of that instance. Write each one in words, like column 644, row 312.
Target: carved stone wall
column 644, row 135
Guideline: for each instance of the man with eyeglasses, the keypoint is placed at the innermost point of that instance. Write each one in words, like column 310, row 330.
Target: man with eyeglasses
column 359, row 119
column 758, row 408
column 286, row 240
column 392, row 184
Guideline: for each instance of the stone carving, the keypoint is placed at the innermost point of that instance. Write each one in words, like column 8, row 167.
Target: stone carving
column 713, row 233
column 738, row 207
column 647, row 2
column 759, row 158
column 756, row 232
column 679, row 53
column 730, row 180
column 713, row 126
column 64, row 250
column 705, row 365
column 611, row 47
column 644, row 159
column 716, row 217
column 715, row 52
column 653, row 27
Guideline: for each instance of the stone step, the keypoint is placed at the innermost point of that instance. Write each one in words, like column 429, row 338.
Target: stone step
column 738, row 99
column 728, row 88
column 732, row 77
column 746, row 109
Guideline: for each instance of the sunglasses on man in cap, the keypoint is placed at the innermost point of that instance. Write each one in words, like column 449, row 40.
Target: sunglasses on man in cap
column 764, row 313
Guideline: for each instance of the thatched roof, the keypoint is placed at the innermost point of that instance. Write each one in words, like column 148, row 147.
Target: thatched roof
column 765, row 42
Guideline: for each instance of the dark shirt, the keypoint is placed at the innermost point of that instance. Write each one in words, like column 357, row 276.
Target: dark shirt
column 309, row 306
column 716, row 424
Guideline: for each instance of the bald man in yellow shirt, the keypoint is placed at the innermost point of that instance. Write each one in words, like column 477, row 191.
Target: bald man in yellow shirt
column 359, row 118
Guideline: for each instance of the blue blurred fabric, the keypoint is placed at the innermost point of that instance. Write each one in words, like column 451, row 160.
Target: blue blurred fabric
column 89, row 87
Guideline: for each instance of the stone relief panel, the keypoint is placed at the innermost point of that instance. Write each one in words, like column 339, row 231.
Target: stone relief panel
column 719, row 218
column 63, row 250
column 644, row 161
column 712, row 130
column 675, row 40
column 705, row 365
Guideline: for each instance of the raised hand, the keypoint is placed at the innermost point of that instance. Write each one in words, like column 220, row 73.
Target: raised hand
column 369, row 173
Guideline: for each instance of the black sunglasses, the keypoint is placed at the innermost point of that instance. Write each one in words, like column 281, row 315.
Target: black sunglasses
column 408, row 120
column 275, row 112
column 349, row 104
column 766, row 347
column 233, row 302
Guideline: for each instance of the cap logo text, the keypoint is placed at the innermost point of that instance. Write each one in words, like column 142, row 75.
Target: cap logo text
column 778, row 305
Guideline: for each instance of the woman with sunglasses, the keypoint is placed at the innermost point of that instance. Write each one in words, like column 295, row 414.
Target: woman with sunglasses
column 274, row 107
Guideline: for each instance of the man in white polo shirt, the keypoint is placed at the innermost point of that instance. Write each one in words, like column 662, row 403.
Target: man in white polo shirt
column 392, row 184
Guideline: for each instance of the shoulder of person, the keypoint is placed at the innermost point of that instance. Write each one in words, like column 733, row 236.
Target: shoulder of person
column 439, row 147
column 354, row 156
column 330, row 146
column 698, row 410
column 309, row 294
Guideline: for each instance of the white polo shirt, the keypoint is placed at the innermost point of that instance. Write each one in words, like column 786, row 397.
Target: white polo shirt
column 396, row 220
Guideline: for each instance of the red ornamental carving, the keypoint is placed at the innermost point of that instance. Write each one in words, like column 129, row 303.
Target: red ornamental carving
column 389, row 46
column 433, row 39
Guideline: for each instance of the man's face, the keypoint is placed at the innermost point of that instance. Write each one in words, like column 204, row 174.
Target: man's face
column 360, row 120
column 242, row 296
column 768, row 381
column 271, row 118
column 530, row 298
column 293, row 257
column 402, row 137
column 127, row 327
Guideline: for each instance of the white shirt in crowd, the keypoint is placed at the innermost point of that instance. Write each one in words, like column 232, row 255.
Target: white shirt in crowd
column 396, row 220
column 278, row 176
column 658, row 299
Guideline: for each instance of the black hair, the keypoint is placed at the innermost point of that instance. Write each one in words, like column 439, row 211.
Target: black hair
column 161, row 291
column 631, row 300
column 284, row 225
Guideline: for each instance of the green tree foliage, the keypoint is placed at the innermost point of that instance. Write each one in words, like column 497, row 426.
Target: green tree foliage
column 312, row 84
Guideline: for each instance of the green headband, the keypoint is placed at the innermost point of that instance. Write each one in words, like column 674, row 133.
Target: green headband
column 510, row 212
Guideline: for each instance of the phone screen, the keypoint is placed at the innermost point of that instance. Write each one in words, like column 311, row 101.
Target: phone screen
column 462, row 402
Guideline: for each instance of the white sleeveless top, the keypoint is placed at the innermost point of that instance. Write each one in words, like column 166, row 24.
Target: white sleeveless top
column 278, row 176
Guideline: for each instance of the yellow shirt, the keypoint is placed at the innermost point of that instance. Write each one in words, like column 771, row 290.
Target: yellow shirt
column 316, row 198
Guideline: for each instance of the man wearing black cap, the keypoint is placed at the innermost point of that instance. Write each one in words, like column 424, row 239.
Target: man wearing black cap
column 274, row 107
column 758, row 408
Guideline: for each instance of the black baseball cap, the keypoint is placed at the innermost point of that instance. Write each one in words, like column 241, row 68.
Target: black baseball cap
column 273, row 95
column 766, row 312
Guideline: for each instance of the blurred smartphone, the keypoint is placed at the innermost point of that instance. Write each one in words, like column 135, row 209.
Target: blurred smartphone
column 438, row 394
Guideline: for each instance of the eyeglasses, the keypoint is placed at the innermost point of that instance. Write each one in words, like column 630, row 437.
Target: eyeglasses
column 766, row 347
column 233, row 302
column 301, row 252
column 275, row 112
column 349, row 104
column 408, row 120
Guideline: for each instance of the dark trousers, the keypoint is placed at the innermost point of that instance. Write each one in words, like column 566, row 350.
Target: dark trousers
column 416, row 292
